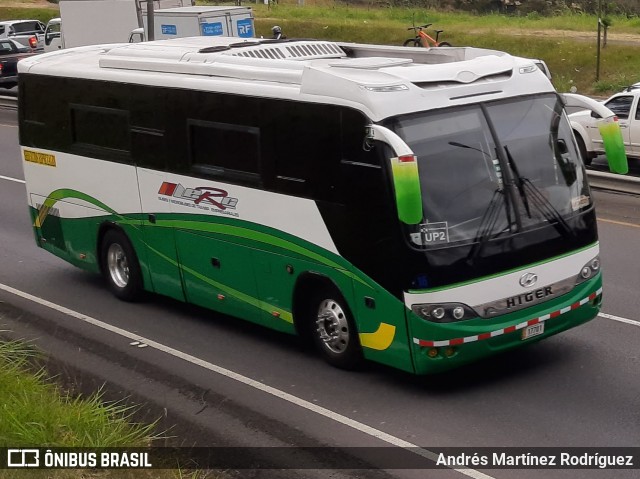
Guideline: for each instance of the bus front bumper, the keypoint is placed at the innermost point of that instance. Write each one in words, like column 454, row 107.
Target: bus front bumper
column 440, row 347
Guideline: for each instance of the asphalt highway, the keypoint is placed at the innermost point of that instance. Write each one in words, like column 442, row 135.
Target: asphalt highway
column 221, row 381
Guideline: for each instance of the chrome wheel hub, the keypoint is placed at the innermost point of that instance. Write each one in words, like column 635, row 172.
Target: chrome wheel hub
column 332, row 326
column 118, row 265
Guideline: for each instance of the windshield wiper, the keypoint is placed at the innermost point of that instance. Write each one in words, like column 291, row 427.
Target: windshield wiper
column 488, row 223
column 520, row 184
column 543, row 205
column 499, row 200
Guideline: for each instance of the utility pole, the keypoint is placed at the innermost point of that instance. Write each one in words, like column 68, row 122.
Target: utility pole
column 151, row 23
column 598, row 47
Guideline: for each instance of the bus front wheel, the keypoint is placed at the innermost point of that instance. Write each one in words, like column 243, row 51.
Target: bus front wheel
column 120, row 266
column 334, row 331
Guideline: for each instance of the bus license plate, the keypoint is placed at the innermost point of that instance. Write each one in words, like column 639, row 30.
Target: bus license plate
column 533, row 330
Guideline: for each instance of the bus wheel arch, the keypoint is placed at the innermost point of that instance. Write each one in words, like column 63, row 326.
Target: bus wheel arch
column 323, row 316
column 119, row 263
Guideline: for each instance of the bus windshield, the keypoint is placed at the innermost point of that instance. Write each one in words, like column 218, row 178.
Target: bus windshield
column 494, row 169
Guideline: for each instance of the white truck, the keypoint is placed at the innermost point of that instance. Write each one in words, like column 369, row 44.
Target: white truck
column 29, row 33
column 192, row 21
column 93, row 22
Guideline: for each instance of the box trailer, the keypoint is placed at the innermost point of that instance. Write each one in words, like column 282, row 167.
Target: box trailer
column 227, row 21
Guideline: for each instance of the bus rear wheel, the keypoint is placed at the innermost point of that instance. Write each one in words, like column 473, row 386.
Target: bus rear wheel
column 120, row 266
column 334, row 332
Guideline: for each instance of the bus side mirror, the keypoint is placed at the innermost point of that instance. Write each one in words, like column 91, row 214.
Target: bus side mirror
column 613, row 145
column 609, row 128
column 136, row 35
column 404, row 170
column 562, row 147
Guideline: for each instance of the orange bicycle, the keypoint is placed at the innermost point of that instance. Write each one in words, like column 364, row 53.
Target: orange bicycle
column 423, row 39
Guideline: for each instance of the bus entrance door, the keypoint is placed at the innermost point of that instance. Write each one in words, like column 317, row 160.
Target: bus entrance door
column 159, row 234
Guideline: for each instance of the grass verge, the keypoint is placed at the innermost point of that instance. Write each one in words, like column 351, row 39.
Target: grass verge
column 567, row 43
column 35, row 412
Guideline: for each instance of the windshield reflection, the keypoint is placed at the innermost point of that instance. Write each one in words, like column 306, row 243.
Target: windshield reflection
column 494, row 169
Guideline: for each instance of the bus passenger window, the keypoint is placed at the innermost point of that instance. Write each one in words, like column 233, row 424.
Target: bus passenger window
column 223, row 149
column 97, row 128
column 306, row 148
column 149, row 148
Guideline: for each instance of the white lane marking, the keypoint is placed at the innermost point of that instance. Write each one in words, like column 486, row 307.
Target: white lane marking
column 8, row 178
column 621, row 223
column 327, row 413
column 618, row 318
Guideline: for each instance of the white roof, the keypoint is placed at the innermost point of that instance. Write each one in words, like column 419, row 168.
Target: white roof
column 381, row 81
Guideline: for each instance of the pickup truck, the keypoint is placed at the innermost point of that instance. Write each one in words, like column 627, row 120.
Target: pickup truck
column 29, row 33
column 10, row 53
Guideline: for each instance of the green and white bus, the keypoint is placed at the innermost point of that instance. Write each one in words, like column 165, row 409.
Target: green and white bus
column 422, row 208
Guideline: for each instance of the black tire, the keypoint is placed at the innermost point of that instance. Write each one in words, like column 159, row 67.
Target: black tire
column 583, row 150
column 120, row 266
column 444, row 44
column 411, row 42
column 333, row 330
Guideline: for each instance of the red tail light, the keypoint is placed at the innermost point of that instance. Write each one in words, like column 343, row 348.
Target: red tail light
column 33, row 42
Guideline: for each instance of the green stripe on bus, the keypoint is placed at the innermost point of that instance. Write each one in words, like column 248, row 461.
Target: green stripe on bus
column 255, row 302
column 241, row 232
column 212, row 227
column 65, row 193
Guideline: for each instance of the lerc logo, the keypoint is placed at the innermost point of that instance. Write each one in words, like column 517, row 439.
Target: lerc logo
column 215, row 197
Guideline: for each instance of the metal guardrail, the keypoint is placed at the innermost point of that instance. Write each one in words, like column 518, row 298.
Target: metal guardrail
column 597, row 179
column 8, row 102
column 610, row 181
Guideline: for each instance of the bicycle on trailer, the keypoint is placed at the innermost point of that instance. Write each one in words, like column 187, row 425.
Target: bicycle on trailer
column 423, row 39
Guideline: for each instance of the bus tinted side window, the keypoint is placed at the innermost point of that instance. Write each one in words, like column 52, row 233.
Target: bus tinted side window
column 364, row 180
column 353, row 130
column 103, row 129
column 43, row 118
column 226, row 150
column 304, row 148
column 148, row 119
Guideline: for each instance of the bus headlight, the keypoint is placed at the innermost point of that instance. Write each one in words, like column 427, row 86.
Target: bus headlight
column 444, row 313
column 589, row 270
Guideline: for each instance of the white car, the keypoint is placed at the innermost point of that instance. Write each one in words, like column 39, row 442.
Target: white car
column 635, row 86
column 626, row 107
